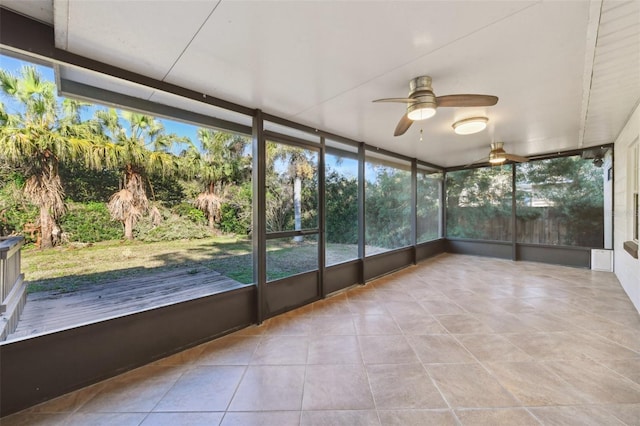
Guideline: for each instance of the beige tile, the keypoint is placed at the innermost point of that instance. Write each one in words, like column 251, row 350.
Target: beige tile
column 630, row 368
column 375, row 325
column 403, row 386
column 417, row 418
column 439, row 348
column 386, row 350
column 336, row 325
column 404, row 307
column 492, row 347
column 205, row 388
column 463, row 324
column 334, row 350
column 27, row 418
column 336, row 387
column 492, row 417
column 186, row 357
column 228, row 350
column 269, row 388
column 535, row 385
column 69, row 402
column 441, row 306
column 470, row 386
column 136, row 391
column 182, row 419
column 340, row 418
column 579, row 415
column 627, row 338
column 105, row 419
column 288, row 325
column 266, row 418
column 627, row 413
column 419, row 324
column 281, row 350
column 597, row 383
column 367, row 307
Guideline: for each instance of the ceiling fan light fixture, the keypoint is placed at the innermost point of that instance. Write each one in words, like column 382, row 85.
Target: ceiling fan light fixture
column 497, row 157
column 469, row 126
column 421, row 110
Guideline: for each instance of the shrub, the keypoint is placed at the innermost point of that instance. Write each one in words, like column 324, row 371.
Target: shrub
column 188, row 211
column 172, row 227
column 89, row 223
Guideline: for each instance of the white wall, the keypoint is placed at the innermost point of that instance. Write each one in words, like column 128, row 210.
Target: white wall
column 627, row 269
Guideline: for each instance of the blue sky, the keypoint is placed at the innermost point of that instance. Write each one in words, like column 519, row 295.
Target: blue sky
column 13, row 66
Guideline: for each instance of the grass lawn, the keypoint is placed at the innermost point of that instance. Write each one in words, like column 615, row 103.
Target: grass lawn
column 71, row 267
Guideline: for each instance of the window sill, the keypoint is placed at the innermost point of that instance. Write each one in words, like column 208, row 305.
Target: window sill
column 631, row 247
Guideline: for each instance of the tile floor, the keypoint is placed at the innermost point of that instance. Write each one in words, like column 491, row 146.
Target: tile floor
column 455, row 340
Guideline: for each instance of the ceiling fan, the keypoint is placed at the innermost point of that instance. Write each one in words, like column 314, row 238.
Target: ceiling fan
column 422, row 102
column 498, row 155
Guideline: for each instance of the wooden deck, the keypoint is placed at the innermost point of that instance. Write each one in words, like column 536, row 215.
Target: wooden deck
column 52, row 310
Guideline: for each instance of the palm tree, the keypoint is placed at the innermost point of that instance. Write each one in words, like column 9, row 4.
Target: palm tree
column 36, row 139
column 220, row 163
column 139, row 149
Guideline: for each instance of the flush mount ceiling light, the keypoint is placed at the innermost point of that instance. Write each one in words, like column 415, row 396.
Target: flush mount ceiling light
column 469, row 126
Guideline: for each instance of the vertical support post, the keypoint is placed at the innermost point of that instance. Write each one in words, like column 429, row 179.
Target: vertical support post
column 361, row 212
column 321, row 218
column 414, row 207
column 443, row 205
column 259, row 239
column 514, row 219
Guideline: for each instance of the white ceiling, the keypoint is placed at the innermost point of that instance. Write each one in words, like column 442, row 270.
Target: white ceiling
column 567, row 73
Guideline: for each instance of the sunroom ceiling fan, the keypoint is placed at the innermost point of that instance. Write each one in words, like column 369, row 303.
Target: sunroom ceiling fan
column 498, row 155
column 422, row 102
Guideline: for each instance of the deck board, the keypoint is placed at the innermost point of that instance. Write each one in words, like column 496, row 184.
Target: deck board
column 52, row 310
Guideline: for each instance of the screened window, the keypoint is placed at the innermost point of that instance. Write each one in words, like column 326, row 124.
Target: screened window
column 479, row 203
column 429, row 184
column 341, row 200
column 387, row 204
column 560, row 201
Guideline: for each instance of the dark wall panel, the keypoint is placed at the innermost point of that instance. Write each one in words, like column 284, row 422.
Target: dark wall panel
column 568, row 256
column 341, row 276
column 430, row 249
column 41, row 368
column 289, row 293
column 380, row 264
column 499, row 249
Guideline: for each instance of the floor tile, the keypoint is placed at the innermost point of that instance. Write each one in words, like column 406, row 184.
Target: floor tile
column 580, row 415
column 630, row 368
column 136, row 391
column 270, row 388
column 493, row 417
column 336, row 325
column 69, row 402
column 340, row 418
column 205, row 388
column 441, row 306
column 105, row 419
column 418, row 325
column 281, row 350
column 334, row 350
column 403, row 386
column 492, row 347
column 535, row 385
column 35, row 419
column 627, row 413
column 375, row 325
column 182, row 419
column 439, row 348
column 417, row 418
column 336, row 387
column 470, row 386
column 266, row 418
column 597, row 383
column 228, row 350
column 386, row 350
column 463, row 324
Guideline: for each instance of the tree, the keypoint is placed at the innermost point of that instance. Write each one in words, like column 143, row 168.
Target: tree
column 138, row 148
column 219, row 164
column 38, row 138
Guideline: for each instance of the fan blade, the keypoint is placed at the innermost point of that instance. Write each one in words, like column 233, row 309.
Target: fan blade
column 516, row 158
column 403, row 125
column 402, row 100
column 466, row 100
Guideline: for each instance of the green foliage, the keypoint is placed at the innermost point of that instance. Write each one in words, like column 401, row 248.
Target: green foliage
column 89, row 223
column 189, row 211
column 83, row 184
column 341, row 208
column 15, row 211
column 172, row 227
